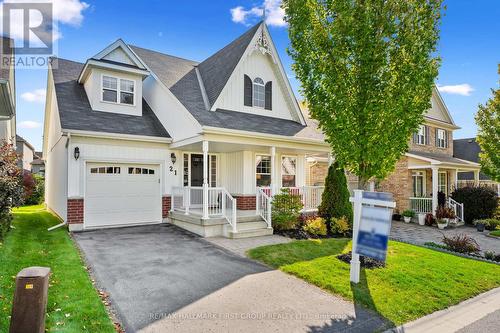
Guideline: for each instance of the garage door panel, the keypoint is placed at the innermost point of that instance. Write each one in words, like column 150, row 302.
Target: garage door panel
column 122, row 198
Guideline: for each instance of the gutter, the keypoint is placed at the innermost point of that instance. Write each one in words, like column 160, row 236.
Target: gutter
column 117, row 136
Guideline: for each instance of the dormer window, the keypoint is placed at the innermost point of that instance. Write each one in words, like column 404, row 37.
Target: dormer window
column 114, row 88
column 259, row 94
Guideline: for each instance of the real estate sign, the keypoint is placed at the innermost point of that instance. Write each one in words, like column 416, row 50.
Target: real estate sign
column 373, row 232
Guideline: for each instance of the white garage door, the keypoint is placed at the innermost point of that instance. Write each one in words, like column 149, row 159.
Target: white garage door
column 121, row 194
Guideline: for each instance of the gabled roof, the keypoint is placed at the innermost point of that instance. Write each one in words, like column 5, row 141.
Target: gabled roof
column 76, row 113
column 20, row 139
column 467, row 149
column 216, row 70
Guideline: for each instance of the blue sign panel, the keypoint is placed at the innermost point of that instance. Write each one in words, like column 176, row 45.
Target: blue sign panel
column 373, row 232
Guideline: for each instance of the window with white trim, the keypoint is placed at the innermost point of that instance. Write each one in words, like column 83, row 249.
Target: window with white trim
column 441, row 138
column 106, row 170
column 418, row 178
column 421, row 135
column 116, row 90
column 259, row 93
column 443, row 182
column 288, row 171
column 262, row 170
column 140, row 171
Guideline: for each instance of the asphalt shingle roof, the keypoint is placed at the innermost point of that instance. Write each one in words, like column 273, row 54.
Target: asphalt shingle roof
column 440, row 158
column 468, row 149
column 76, row 113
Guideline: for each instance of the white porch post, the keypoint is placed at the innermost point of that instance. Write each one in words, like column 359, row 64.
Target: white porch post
column 330, row 159
column 273, row 171
column 476, row 177
column 435, row 188
column 205, row 179
column 456, row 179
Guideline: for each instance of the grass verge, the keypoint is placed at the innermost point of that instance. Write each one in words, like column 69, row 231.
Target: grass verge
column 495, row 233
column 73, row 303
column 416, row 281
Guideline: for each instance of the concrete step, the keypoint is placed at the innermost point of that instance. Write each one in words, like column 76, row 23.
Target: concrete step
column 249, row 218
column 196, row 219
column 250, row 233
column 251, row 225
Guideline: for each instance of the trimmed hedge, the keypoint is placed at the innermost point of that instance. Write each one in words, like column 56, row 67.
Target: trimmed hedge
column 479, row 202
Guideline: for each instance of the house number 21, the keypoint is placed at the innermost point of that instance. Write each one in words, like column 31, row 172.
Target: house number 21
column 172, row 170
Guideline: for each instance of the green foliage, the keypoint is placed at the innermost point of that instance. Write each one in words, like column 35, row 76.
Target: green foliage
column 286, row 209
column 38, row 191
column 480, row 202
column 408, row 213
column 339, row 226
column 488, row 136
column 11, row 189
column 335, row 197
column 315, row 226
column 367, row 70
column 489, row 224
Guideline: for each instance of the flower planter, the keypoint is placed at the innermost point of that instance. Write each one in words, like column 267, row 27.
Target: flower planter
column 421, row 219
column 441, row 226
column 407, row 219
column 480, row 227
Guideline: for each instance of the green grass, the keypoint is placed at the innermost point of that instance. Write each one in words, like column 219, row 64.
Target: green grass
column 416, row 281
column 73, row 303
column 495, row 233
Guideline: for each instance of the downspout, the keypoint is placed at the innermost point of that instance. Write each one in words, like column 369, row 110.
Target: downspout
column 68, row 135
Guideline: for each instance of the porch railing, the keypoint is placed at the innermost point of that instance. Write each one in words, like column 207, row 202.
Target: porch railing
column 263, row 205
column 421, row 204
column 310, row 196
column 457, row 207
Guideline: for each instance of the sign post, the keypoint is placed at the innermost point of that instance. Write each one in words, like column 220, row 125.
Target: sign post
column 371, row 227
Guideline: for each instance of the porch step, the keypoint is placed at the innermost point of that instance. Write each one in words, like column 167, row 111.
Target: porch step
column 250, row 233
column 196, row 219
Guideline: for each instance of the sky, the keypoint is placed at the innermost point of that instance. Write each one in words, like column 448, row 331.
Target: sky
column 469, row 45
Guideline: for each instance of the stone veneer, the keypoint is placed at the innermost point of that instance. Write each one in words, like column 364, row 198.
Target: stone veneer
column 399, row 183
column 245, row 202
column 75, row 211
column 317, row 173
column 166, row 205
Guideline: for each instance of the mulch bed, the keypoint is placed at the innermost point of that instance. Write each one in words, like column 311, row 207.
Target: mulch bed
column 366, row 262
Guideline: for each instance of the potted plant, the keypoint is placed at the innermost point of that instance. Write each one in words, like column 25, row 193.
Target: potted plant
column 442, row 223
column 480, row 225
column 430, row 220
column 407, row 215
column 421, row 218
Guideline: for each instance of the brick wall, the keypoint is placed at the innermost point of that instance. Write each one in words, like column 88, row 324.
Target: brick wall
column 431, row 147
column 399, row 183
column 246, row 202
column 75, row 211
column 166, row 204
column 317, row 173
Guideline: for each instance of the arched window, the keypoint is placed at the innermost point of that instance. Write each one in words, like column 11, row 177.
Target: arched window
column 259, row 93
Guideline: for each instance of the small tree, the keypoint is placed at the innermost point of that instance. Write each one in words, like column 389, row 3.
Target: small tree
column 488, row 137
column 480, row 202
column 335, row 199
column 11, row 189
column 367, row 69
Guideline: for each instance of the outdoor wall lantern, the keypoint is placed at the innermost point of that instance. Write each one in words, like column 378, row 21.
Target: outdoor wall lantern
column 76, row 153
column 173, row 158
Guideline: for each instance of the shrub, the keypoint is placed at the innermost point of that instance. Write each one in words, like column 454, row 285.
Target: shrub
column 339, row 226
column 490, row 255
column 490, row 224
column 335, row 198
column 11, row 189
column 37, row 193
column 315, row 226
column 445, row 213
column 429, row 219
column 461, row 243
column 479, row 202
column 286, row 209
column 433, row 244
column 408, row 213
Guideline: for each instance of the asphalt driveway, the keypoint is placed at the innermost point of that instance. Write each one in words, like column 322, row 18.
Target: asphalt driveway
column 154, row 272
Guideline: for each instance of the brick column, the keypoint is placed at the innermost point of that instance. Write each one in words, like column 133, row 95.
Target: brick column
column 245, row 202
column 75, row 211
column 166, row 204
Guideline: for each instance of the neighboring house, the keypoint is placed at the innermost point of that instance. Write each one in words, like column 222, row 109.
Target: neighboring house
column 469, row 149
column 134, row 136
column 429, row 166
column 7, row 91
column 38, row 165
column 26, row 153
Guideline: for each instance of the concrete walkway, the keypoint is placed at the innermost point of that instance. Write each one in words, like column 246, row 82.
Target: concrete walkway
column 478, row 314
column 420, row 234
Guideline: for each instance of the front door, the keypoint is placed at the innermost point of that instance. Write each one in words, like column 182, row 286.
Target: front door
column 196, row 170
column 193, row 170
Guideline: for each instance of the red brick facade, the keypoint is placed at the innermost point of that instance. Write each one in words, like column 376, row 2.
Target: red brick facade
column 246, row 202
column 166, row 204
column 399, row 183
column 75, row 211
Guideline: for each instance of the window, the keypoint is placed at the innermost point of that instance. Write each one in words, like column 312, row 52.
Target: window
column 441, row 138
column 418, row 184
column 112, row 88
column 443, row 182
column 263, row 170
column 420, row 137
column 140, row 171
column 106, row 170
column 288, row 171
column 259, row 93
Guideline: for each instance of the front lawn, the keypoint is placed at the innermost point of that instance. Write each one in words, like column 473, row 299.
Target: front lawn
column 73, row 303
column 416, row 281
column 495, row 233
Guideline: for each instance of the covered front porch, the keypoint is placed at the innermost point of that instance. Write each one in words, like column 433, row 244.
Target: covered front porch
column 230, row 180
column 431, row 175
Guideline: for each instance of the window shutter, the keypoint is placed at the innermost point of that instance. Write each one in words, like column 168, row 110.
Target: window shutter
column 269, row 96
column 247, row 91
column 427, row 135
column 437, row 138
column 415, row 137
column 446, row 138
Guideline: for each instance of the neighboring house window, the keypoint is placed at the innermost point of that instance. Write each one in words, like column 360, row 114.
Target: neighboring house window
column 116, row 90
column 420, row 137
column 418, row 178
column 443, row 182
column 288, row 171
column 106, row 170
column 441, row 138
column 263, row 170
column 259, row 93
